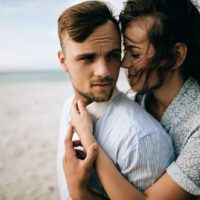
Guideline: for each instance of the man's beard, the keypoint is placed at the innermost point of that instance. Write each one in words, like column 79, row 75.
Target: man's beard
column 89, row 98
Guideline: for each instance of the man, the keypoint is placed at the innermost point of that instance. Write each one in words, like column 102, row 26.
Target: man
column 91, row 54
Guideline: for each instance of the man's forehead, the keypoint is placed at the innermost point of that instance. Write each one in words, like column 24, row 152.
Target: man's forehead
column 94, row 40
column 107, row 31
column 93, row 49
column 92, row 45
column 103, row 38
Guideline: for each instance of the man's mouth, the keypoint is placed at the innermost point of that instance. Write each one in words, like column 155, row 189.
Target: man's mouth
column 102, row 84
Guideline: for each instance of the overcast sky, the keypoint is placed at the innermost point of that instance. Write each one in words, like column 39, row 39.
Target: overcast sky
column 28, row 32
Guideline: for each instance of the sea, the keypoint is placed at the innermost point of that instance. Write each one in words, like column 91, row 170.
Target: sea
column 33, row 76
column 30, row 76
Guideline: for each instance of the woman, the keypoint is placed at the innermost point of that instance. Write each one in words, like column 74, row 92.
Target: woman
column 162, row 45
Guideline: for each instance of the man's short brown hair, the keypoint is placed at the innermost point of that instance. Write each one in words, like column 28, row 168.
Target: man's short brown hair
column 80, row 20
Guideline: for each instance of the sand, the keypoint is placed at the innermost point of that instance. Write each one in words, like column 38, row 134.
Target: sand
column 29, row 123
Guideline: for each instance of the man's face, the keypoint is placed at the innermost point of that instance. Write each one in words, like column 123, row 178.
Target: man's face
column 93, row 64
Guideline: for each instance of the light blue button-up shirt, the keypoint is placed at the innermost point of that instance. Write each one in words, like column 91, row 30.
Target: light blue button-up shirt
column 133, row 139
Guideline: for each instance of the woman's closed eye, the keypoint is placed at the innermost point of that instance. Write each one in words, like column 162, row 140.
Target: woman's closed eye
column 135, row 55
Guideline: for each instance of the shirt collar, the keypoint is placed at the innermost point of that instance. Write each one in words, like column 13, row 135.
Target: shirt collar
column 97, row 109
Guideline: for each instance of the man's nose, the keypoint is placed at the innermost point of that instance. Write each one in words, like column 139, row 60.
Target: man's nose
column 102, row 68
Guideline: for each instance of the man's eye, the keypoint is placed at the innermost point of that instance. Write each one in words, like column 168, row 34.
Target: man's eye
column 88, row 58
column 115, row 56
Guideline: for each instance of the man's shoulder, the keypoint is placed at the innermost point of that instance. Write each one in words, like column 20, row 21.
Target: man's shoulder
column 69, row 100
column 124, row 108
column 122, row 97
column 65, row 110
column 122, row 101
column 134, row 114
column 67, row 103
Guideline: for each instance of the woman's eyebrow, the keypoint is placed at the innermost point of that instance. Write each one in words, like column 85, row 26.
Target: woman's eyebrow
column 131, row 46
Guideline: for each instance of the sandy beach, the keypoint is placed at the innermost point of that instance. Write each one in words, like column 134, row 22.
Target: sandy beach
column 29, row 123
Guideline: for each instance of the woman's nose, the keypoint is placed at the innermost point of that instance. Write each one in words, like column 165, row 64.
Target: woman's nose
column 126, row 61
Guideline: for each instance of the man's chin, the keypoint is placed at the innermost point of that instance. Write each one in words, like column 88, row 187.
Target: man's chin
column 102, row 98
column 95, row 96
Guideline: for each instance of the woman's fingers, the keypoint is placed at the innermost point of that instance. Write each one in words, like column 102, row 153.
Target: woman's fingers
column 74, row 107
column 81, row 106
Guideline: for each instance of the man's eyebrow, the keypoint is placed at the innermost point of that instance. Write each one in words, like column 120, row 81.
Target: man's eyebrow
column 117, row 50
column 84, row 55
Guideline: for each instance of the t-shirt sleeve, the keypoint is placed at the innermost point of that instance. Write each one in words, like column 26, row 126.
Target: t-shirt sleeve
column 185, row 171
column 145, row 159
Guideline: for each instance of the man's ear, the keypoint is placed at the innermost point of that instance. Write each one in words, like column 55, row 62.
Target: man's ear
column 181, row 52
column 61, row 58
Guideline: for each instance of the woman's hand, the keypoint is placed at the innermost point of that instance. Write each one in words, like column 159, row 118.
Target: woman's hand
column 82, row 123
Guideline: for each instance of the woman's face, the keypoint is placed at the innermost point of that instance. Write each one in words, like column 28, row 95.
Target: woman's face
column 138, row 53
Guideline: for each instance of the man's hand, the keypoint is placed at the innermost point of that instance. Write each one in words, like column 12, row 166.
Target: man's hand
column 77, row 171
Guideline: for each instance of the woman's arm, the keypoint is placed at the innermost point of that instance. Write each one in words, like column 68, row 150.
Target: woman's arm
column 116, row 186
